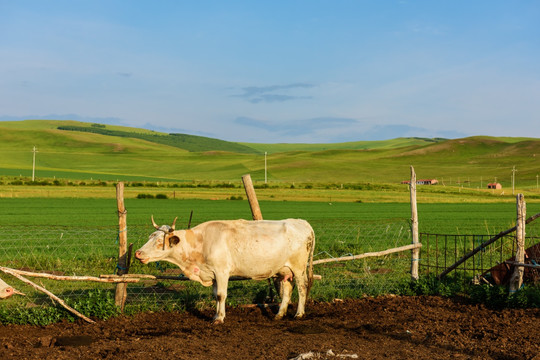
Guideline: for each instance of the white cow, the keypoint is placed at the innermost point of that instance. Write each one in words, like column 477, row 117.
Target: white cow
column 212, row 252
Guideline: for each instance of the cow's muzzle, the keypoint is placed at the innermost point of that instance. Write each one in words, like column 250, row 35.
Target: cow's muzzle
column 139, row 256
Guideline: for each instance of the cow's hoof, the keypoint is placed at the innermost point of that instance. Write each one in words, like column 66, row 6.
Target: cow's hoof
column 278, row 317
column 217, row 322
column 298, row 316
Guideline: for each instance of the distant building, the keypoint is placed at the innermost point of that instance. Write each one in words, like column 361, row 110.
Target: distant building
column 427, row 182
column 422, row 182
column 494, row 186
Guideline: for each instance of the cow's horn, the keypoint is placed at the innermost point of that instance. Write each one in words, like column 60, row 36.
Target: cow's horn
column 173, row 224
column 154, row 223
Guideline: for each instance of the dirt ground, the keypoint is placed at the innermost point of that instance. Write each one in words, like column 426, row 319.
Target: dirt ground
column 370, row 328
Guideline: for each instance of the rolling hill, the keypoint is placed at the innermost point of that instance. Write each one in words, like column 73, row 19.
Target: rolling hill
column 75, row 150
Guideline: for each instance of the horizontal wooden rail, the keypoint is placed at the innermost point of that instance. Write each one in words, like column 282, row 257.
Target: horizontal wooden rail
column 369, row 254
column 69, row 278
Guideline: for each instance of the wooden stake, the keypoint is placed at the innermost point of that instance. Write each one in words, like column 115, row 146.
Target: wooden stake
column 252, row 197
column 415, row 256
column 517, row 276
column 50, row 294
column 121, row 288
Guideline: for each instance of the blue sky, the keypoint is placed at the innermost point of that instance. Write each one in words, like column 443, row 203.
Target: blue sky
column 276, row 71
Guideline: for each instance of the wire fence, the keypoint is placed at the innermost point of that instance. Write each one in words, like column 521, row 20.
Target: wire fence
column 77, row 251
column 441, row 251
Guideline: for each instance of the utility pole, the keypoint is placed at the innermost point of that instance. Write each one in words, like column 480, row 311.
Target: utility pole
column 513, row 178
column 265, row 171
column 34, row 164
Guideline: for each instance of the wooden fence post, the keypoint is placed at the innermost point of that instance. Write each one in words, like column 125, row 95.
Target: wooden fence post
column 121, row 288
column 415, row 256
column 252, row 197
column 517, row 276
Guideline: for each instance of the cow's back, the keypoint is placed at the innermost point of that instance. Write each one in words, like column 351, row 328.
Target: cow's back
column 256, row 249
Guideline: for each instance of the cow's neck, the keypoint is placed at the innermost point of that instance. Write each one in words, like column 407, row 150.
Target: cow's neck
column 188, row 255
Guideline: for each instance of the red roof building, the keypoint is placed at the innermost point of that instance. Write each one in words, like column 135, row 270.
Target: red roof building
column 494, row 186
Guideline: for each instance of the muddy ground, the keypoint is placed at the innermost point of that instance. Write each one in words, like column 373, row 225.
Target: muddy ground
column 370, row 328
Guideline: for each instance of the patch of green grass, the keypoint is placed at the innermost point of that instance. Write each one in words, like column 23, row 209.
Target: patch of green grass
column 94, row 304
column 494, row 297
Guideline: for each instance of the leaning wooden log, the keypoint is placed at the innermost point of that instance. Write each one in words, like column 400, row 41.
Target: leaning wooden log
column 71, row 278
column 369, row 254
column 50, row 294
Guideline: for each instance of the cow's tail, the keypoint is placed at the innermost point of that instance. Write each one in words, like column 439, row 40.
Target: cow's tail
column 310, row 262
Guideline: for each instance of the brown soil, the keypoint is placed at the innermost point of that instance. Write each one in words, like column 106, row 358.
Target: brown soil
column 371, row 328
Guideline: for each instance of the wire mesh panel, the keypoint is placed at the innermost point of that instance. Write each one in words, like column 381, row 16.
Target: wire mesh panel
column 440, row 251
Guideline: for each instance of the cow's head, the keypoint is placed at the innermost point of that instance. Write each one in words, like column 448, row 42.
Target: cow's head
column 159, row 244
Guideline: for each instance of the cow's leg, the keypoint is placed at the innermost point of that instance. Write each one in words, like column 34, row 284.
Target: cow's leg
column 301, row 284
column 285, row 293
column 220, row 292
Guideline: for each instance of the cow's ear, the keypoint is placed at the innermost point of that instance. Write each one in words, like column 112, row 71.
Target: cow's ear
column 173, row 240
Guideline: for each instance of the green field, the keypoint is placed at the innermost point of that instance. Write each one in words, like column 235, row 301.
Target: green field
column 450, row 218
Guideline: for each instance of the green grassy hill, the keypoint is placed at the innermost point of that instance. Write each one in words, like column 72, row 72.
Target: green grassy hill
column 120, row 153
column 355, row 145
